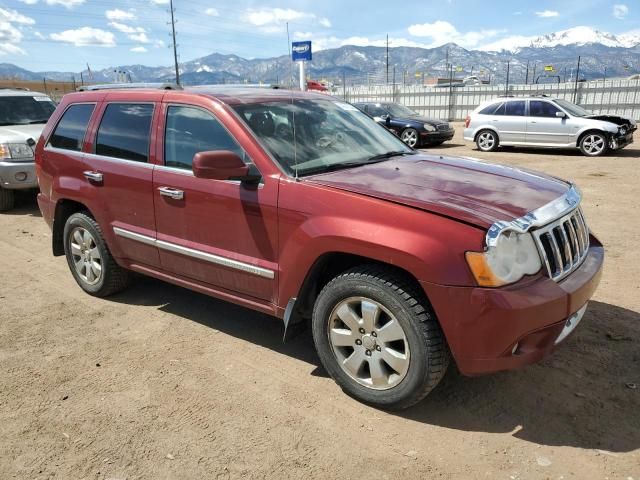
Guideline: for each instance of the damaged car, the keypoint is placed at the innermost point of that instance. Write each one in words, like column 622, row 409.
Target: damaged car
column 546, row 122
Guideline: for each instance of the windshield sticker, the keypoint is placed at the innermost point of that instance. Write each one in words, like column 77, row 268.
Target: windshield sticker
column 346, row 106
column 42, row 99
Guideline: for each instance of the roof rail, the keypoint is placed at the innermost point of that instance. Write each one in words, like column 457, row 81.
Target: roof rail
column 236, row 85
column 506, row 96
column 23, row 89
column 540, row 95
column 122, row 86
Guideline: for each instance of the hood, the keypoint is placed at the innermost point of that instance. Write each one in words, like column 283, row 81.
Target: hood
column 20, row 133
column 617, row 119
column 420, row 119
column 466, row 189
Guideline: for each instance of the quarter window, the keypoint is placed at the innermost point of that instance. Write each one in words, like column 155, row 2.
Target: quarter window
column 515, row 109
column 191, row 130
column 491, row 109
column 539, row 108
column 69, row 134
column 124, row 131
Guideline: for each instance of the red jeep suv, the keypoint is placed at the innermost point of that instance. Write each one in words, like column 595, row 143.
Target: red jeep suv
column 301, row 206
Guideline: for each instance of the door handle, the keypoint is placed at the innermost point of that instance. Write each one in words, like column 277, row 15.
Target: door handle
column 93, row 176
column 171, row 193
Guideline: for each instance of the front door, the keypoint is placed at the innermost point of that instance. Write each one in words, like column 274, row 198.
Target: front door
column 222, row 233
column 544, row 127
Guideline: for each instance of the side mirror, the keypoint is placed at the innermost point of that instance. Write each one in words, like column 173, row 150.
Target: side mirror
column 561, row 115
column 387, row 119
column 219, row 165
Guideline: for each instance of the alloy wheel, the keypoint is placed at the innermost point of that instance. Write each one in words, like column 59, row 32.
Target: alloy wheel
column 369, row 343
column 594, row 144
column 486, row 141
column 86, row 255
column 410, row 137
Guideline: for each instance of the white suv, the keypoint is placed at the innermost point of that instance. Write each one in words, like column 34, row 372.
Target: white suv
column 546, row 122
column 23, row 115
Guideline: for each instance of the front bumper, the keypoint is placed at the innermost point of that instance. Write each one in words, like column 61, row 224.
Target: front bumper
column 18, row 175
column 492, row 329
column 618, row 142
column 437, row 136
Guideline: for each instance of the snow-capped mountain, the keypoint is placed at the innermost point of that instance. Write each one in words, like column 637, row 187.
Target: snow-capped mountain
column 585, row 36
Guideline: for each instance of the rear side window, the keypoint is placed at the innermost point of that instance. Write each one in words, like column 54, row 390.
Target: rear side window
column 191, row 130
column 538, row 108
column 491, row 109
column 124, row 131
column 69, row 134
column 515, row 109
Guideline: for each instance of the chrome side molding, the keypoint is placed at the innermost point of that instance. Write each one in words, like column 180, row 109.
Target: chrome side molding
column 193, row 253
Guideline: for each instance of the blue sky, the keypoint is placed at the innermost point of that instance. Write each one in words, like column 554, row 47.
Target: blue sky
column 64, row 35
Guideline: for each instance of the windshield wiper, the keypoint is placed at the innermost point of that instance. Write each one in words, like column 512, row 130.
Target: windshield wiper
column 384, row 156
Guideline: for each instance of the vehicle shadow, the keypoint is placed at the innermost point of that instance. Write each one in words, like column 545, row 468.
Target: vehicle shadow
column 25, row 204
column 586, row 395
column 567, row 152
column 578, row 397
column 443, row 146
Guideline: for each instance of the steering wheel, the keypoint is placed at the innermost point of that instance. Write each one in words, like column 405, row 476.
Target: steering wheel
column 326, row 141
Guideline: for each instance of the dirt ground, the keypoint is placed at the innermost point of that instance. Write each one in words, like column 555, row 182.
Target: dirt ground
column 162, row 383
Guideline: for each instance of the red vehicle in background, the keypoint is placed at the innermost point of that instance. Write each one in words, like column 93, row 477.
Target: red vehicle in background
column 315, row 86
column 301, row 206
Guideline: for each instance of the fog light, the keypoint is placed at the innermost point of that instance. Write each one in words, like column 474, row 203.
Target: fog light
column 21, row 176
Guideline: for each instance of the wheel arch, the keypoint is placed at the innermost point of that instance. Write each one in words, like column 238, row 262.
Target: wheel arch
column 591, row 130
column 63, row 210
column 482, row 129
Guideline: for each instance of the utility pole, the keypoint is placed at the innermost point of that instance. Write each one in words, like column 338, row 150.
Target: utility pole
column 506, row 87
column 526, row 78
column 604, row 79
column 575, row 88
column 387, row 61
column 175, row 46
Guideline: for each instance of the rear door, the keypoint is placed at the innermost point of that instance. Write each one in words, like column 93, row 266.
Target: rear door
column 222, row 233
column 543, row 127
column 510, row 121
column 120, row 172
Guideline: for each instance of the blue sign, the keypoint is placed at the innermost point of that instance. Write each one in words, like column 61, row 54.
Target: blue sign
column 301, row 51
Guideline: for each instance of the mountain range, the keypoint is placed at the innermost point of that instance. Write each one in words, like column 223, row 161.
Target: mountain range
column 601, row 54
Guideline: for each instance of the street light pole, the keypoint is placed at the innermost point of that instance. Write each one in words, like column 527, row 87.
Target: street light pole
column 175, row 47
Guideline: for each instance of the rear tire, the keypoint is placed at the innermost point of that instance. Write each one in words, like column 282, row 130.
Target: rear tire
column 390, row 352
column 7, row 199
column 594, row 144
column 487, row 141
column 89, row 259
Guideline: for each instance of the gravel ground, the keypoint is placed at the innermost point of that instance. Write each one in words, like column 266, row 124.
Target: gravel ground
column 162, row 383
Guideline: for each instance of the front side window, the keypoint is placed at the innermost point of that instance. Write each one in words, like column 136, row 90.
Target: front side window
column 515, row 109
column 572, row 108
column 315, row 135
column 25, row 110
column 376, row 111
column 124, row 131
column 70, row 131
column 397, row 110
column 191, row 130
column 538, row 108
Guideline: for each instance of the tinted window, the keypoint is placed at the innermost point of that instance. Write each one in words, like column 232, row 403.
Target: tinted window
column 539, row 108
column 124, row 132
column 515, row 108
column 24, row 110
column 490, row 110
column 500, row 110
column 376, row 111
column 70, row 131
column 191, row 130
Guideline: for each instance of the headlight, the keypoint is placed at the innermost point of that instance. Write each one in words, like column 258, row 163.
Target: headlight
column 429, row 128
column 512, row 257
column 15, row 151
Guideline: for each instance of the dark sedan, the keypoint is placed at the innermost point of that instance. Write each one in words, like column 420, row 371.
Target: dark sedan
column 413, row 129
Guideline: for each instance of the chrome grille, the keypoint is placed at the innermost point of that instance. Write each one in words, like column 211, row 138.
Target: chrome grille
column 443, row 126
column 563, row 244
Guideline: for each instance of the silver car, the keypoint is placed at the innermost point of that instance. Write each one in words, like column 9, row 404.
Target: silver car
column 23, row 115
column 546, row 122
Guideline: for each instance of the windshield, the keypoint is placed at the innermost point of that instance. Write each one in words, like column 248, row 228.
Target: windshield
column 25, row 110
column 328, row 135
column 399, row 110
column 572, row 108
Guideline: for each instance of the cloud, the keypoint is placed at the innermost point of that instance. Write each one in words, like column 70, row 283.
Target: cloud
column 510, row 43
column 8, row 15
column 139, row 37
column 29, row 2
column 85, row 37
column 118, row 14
column 11, row 49
column 548, row 14
column 212, row 12
column 272, row 20
column 64, row 3
column 441, row 32
column 620, row 11
column 121, row 27
column 160, row 2
column 138, row 49
column 324, row 22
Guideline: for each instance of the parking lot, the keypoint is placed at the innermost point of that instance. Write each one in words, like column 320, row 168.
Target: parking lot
column 163, row 383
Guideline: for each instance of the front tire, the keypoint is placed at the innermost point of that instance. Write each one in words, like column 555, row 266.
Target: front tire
column 410, row 136
column 378, row 338
column 594, row 144
column 487, row 141
column 7, row 199
column 89, row 259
